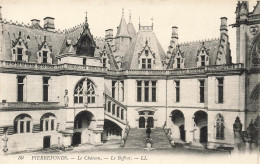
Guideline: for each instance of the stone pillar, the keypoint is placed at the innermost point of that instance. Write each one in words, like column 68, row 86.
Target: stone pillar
column 67, row 139
column 189, row 128
column 96, row 139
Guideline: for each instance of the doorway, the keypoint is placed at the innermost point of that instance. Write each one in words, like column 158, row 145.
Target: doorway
column 141, row 122
column 204, row 134
column 182, row 133
column 76, row 139
column 46, row 141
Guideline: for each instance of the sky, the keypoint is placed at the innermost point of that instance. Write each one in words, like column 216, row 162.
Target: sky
column 196, row 19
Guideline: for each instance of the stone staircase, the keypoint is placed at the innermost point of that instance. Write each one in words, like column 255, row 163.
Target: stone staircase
column 136, row 138
column 159, row 139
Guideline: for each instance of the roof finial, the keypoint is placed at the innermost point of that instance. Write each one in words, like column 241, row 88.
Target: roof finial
column 122, row 12
column 86, row 17
column 152, row 23
column 129, row 16
column 139, row 23
column 0, row 13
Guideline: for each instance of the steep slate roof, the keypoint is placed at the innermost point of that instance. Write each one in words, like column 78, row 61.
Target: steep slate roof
column 122, row 29
column 190, row 51
column 58, row 41
column 130, row 59
column 33, row 37
column 131, row 30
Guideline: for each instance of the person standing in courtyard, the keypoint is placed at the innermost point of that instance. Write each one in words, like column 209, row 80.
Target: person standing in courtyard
column 148, row 132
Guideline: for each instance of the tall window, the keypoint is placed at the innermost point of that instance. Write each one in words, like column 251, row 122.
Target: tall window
column 113, row 88
column 202, row 86
column 117, row 111
column 46, row 88
column 19, row 54
column 44, row 57
column 139, row 91
column 202, row 60
column 220, row 127
column 22, row 124
column 118, row 90
column 20, row 87
column 178, row 63
column 153, row 91
column 85, row 88
column 146, row 91
column 220, row 89
column 114, row 109
column 47, row 122
column 177, row 89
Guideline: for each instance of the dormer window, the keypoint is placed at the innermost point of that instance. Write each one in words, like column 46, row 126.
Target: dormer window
column 19, row 50
column 104, row 62
column 44, row 53
column 203, row 60
column 202, row 57
column 146, row 63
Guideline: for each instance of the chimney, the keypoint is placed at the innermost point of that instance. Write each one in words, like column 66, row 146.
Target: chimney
column 109, row 36
column 174, row 40
column 49, row 24
column 35, row 21
column 223, row 25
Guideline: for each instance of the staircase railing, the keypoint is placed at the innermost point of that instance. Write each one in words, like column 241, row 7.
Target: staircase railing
column 115, row 109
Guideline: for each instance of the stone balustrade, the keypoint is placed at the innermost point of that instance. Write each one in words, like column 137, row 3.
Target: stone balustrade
column 115, row 109
column 76, row 67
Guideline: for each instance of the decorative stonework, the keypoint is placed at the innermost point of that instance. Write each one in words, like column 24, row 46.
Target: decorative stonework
column 256, row 51
column 254, row 29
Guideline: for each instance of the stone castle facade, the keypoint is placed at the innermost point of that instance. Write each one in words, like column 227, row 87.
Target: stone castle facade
column 63, row 88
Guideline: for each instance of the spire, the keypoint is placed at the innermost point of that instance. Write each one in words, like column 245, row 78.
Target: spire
column 86, row 19
column 0, row 13
column 129, row 16
column 122, row 28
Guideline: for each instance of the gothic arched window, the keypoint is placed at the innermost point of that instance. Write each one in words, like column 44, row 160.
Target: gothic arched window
column 78, row 92
column 220, row 127
column 85, row 88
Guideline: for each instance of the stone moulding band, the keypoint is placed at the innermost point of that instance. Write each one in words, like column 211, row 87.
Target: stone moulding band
column 79, row 68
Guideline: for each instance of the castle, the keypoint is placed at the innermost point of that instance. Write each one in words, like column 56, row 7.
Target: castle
column 63, row 88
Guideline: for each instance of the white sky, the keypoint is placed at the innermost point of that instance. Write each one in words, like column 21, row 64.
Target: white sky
column 196, row 19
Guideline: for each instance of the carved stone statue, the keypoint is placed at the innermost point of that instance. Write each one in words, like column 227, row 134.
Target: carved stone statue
column 237, row 128
column 66, row 98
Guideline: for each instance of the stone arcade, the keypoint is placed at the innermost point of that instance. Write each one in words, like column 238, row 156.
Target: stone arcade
column 65, row 88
